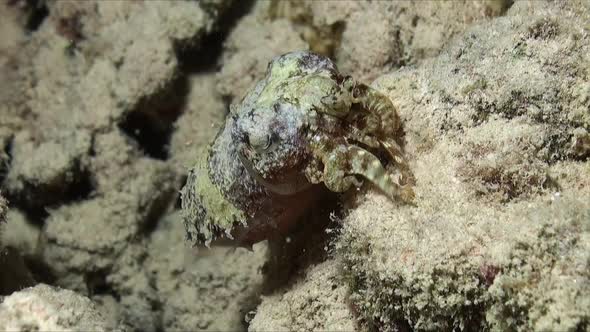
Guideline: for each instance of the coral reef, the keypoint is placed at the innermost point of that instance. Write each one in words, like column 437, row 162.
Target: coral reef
column 105, row 106
column 204, row 289
column 403, row 32
column 399, row 33
column 494, row 224
column 316, row 302
column 44, row 308
column 18, row 233
column 196, row 126
column 18, row 241
column 254, row 41
column 93, row 98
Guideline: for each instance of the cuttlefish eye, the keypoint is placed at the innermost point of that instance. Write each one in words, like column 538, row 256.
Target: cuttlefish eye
column 258, row 142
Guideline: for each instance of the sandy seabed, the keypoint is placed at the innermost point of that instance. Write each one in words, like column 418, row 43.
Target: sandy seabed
column 104, row 105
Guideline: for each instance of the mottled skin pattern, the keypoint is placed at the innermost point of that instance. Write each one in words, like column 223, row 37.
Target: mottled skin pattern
column 301, row 130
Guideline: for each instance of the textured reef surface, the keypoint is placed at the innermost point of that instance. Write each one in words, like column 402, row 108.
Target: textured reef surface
column 107, row 106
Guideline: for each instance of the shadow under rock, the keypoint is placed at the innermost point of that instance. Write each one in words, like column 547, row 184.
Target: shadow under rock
column 205, row 56
column 38, row 12
column 151, row 123
column 14, row 274
column 309, row 243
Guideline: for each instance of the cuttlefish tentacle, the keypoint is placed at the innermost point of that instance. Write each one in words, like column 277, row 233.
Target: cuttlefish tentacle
column 375, row 102
column 394, row 150
column 356, row 135
column 345, row 162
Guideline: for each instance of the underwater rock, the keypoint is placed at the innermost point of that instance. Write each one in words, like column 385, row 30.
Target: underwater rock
column 45, row 308
column 500, row 233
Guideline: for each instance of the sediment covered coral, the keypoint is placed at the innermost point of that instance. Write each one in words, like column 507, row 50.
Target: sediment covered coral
column 489, row 125
column 251, row 45
column 91, row 99
column 104, row 105
column 365, row 39
column 196, row 126
column 319, row 301
column 45, row 308
column 199, row 288
column 18, row 240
